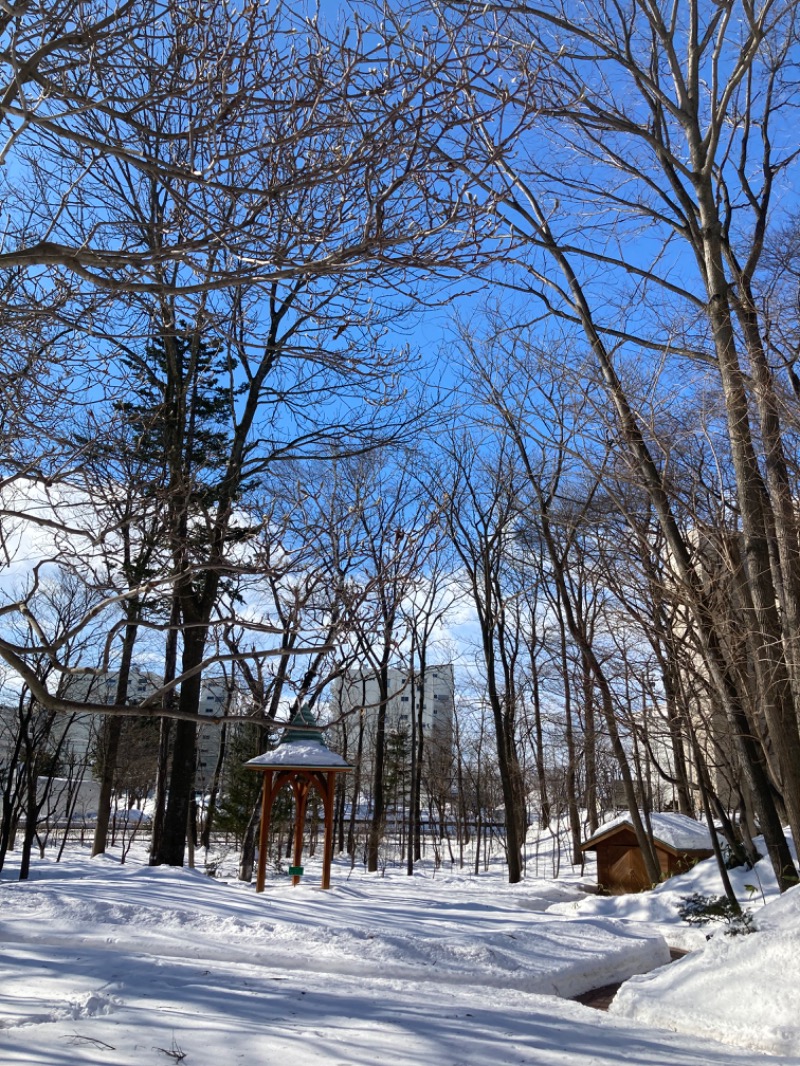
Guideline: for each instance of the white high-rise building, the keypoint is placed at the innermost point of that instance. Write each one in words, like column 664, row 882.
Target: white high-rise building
column 215, row 698
column 84, row 729
column 356, row 698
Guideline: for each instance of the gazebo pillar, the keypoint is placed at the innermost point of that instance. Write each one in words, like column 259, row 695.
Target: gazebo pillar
column 327, row 857
column 300, row 786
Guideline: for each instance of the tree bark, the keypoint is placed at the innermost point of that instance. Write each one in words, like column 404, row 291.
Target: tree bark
column 111, row 733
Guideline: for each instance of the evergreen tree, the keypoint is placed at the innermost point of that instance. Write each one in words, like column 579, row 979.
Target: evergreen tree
column 182, row 412
column 242, row 786
column 179, row 412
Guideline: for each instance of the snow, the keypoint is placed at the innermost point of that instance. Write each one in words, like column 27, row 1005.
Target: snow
column 304, row 753
column 111, row 964
column 658, row 910
column 756, row 1005
column 675, row 830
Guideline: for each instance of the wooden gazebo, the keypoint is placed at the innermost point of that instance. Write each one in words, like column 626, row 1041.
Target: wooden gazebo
column 301, row 760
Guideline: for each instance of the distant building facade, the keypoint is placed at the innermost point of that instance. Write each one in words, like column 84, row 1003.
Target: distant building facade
column 83, row 730
column 356, row 701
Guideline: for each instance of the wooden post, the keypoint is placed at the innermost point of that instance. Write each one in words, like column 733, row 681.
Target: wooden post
column 327, row 855
column 300, row 788
column 266, row 810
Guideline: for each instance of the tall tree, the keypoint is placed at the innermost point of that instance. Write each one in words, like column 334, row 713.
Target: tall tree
column 394, row 522
column 481, row 517
column 255, row 174
column 665, row 128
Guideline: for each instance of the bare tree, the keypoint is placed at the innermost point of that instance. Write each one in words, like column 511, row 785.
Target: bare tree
column 666, row 129
column 428, row 604
column 250, row 174
column 394, row 523
column 480, row 488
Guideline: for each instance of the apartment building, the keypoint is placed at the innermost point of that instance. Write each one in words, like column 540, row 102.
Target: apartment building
column 355, row 701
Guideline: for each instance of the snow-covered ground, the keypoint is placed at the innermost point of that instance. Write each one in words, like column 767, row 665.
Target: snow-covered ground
column 741, row 989
column 111, row 964
column 757, row 1002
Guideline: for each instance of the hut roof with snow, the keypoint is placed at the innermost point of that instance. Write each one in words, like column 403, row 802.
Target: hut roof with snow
column 675, row 831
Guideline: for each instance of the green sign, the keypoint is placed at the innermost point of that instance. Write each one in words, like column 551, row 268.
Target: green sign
column 295, row 871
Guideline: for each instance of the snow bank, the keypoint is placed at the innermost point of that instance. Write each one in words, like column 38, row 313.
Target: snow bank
column 657, row 910
column 114, row 965
column 744, row 990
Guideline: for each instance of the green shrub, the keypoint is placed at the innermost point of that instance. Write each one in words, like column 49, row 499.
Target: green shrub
column 698, row 909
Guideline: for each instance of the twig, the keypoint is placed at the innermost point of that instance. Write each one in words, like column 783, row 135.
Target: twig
column 174, row 1052
column 91, row 1040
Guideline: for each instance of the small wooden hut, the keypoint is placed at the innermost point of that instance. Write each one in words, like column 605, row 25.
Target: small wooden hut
column 679, row 843
column 303, row 761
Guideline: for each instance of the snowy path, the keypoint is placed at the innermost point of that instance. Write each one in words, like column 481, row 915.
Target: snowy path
column 111, row 966
column 239, row 1013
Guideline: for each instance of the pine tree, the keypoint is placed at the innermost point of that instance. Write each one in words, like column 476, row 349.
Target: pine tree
column 181, row 412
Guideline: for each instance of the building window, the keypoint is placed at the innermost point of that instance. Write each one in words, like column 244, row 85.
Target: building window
column 404, row 699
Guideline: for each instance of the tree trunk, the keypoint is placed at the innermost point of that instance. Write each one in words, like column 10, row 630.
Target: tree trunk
column 112, row 731
column 589, row 748
column 541, row 772
column 569, row 740
column 184, row 756
column 11, row 794
column 775, row 690
column 579, row 635
column 376, row 825
column 416, row 734
column 351, row 829
column 247, row 857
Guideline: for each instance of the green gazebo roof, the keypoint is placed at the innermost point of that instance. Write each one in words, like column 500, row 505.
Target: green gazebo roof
column 302, row 747
column 303, row 726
